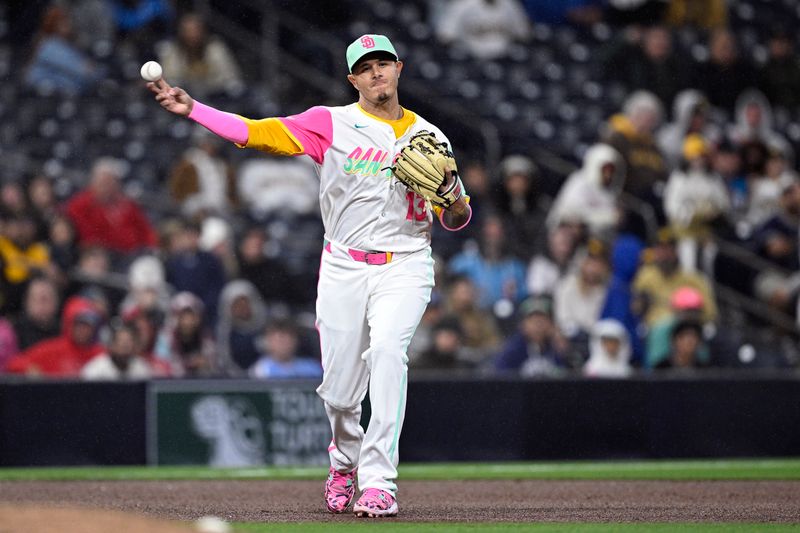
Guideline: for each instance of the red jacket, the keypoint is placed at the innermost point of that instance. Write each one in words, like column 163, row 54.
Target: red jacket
column 59, row 357
column 120, row 226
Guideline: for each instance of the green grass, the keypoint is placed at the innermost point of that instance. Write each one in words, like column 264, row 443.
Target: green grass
column 783, row 469
column 396, row 527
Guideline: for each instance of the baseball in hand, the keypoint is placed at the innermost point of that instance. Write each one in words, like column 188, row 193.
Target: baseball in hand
column 151, row 71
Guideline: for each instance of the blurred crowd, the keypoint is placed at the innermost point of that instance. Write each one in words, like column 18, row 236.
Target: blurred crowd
column 97, row 284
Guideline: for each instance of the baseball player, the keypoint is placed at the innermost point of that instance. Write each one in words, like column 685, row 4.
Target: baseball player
column 376, row 271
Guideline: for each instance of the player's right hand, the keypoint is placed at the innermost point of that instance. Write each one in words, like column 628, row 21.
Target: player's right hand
column 173, row 99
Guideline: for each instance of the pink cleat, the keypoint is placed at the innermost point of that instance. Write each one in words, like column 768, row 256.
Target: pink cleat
column 339, row 490
column 375, row 503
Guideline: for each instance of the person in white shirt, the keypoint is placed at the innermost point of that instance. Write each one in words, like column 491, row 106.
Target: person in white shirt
column 121, row 361
column 486, row 27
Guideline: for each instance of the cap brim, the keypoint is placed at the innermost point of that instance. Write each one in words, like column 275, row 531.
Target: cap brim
column 375, row 54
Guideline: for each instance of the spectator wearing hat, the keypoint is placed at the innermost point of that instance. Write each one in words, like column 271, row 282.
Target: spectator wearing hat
column 521, row 205
column 590, row 195
column 580, row 296
column 609, row 351
column 65, row 355
column 686, row 305
column 537, row 347
column 120, row 361
column 280, row 358
column 695, row 201
column 185, row 342
column 100, row 211
column 192, row 269
column 690, row 115
column 658, row 279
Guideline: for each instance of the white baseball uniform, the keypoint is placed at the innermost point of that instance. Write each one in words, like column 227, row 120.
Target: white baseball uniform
column 376, row 273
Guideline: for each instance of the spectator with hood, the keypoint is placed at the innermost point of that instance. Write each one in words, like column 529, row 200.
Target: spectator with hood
column 242, row 318
column 590, row 194
column 755, row 123
column 690, row 115
column 580, row 296
column 625, row 259
column 520, row 204
column 64, row 356
column 609, row 351
column 185, row 342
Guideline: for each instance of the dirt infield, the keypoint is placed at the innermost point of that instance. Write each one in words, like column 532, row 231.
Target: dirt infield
column 462, row 501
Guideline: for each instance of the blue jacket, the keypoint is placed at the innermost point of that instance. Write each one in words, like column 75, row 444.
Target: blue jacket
column 625, row 258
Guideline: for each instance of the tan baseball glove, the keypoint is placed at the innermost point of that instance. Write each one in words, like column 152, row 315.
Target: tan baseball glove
column 421, row 167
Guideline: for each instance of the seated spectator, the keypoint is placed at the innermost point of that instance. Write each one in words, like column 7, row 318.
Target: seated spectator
column 687, row 342
column 766, row 189
column 495, row 272
column 520, row 205
column 57, row 64
column 445, row 352
column 702, row 14
column 695, row 201
column 270, row 186
column 148, row 322
column 591, row 194
column 690, row 115
column 724, row 76
column 147, row 286
column 100, row 210
column 216, row 238
column 656, row 282
column 754, row 123
column 267, row 274
column 609, row 351
column 727, row 162
column 478, row 331
column 579, row 298
column 199, row 61
column 65, row 355
column 547, row 269
column 487, row 28
column 780, row 75
column 631, row 133
column 242, row 318
column 120, row 361
column 626, row 256
column 93, row 277
column 202, row 182
column 12, row 198
column 62, row 243
column 21, row 257
column 652, row 66
column 43, row 204
column 193, row 270
column 776, row 241
column 537, row 348
column 39, row 319
column 185, row 342
column 279, row 359
column 686, row 305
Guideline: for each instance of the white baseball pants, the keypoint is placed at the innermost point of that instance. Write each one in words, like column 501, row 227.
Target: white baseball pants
column 366, row 316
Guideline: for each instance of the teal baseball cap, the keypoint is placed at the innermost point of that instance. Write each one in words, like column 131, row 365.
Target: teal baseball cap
column 368, row 44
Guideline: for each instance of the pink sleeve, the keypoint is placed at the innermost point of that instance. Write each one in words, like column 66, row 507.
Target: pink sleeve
column 225, row 125
column 313, row 129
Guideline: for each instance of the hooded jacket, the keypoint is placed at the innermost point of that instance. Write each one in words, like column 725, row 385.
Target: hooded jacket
column 583, row 197
column 670, row 138
column 742, row 132
column 236, row 339
column 625, row 260
column 601, row 363
column 61, row 356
